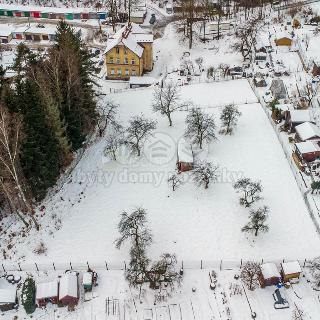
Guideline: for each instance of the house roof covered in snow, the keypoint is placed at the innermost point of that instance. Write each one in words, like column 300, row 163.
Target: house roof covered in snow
column 130, row 36
column 283, row 34
column 87, row 278
column 46, row 30
column 269, row 270
column 185, row 153
column 291, row 267
column 284, row 106
column 47, row 290
column 300, row 116
column 7, row 296
column 307, row 130
column 142, row 80
column 307, row 147
column 5, row 31
column 68, row 285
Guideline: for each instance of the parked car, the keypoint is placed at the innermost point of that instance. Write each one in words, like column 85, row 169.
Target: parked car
column 152, row 19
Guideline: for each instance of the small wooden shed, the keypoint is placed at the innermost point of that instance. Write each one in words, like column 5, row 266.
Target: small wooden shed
column 8, row 299
column 185, row 156
column 270, row 275
column 283, row 39
column 69, row 289
column 291, row 271
column 47, row 292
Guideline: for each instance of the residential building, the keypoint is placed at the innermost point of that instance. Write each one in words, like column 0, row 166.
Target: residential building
column 129, row 52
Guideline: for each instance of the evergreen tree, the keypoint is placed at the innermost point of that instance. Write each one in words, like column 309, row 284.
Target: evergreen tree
column 76, row 85
column 39, row 149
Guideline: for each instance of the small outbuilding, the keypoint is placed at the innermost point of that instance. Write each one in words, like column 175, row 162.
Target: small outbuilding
column 307, row 151
column 296, row 117
column 5, row 35
column 68, row 289
column 8, row 299
column 291, row 271
column 283, row 39
column 138, row 82
column 307, row 131
column 47, row 292
column 269, row 275
column 185, row 157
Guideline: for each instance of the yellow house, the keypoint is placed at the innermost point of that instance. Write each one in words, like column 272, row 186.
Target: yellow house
column 129, row 52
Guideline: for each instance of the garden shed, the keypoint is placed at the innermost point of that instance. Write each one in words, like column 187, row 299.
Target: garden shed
column 47, row 292
column 307, row 151
column 307, row 131
column 185, row 157
column 291, row 271
column 269, row 275
column 8, row 299
column 68, row 289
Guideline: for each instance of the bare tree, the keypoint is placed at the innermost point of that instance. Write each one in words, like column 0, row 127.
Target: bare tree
column 298, row 314
column 133, row 228
column 250, row 191
column 11, row 177
column 314, row 267
column 114, row 140
column 166, row 100
column 200, row 127
column 249, row 275
column 106, row 116
column 190, row 12
column 175, row 181
column 204, row 173
column 247, row 37
column 229, row 118
column 257, row 221
column 139, row 130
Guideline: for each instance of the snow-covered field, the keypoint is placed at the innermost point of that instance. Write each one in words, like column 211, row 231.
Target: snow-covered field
column 192, row 222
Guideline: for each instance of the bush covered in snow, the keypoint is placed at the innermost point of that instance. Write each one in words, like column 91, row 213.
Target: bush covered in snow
column 28, row 295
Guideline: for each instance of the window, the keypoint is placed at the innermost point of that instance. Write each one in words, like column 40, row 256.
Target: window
column 111, row 59
column 125, row 51
column 117, row 50
column 133, row 61
column 118, row 60
column 119, row 72
column 126, row 61
column 127, row 72
column 133, row 72
column 112, row 71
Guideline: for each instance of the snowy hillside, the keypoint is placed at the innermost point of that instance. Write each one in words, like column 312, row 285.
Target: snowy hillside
column 194, row 223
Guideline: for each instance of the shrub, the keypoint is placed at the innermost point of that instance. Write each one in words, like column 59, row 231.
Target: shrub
column 28, row 295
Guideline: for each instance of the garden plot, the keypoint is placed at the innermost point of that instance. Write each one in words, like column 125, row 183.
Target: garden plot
column 192, row 222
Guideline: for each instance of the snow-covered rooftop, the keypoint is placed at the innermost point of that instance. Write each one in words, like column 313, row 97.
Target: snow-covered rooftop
column 185, row 153
column 307, row 130
column 142, row 80
column 68, row 286
column 300, row 116
column 291, row 267
column 269, row 270
column 47, row 290
column 87, row 278
column 46, row 30
column 307, row 147
column 7, row 296
column 5, row 31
